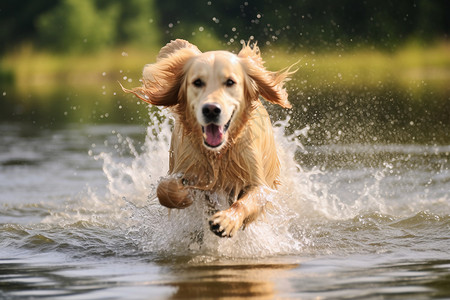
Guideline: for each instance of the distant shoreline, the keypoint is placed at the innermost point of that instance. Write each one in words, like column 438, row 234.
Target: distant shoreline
column 37, row 71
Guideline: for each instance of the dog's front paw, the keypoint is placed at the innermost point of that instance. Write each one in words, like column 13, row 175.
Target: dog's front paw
column 173, row 194
column 227, row 222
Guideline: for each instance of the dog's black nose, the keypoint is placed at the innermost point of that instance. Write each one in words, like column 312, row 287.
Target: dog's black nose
column 211, row 111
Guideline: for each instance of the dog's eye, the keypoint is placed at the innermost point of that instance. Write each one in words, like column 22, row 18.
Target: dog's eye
column 229, row 82
column 198, row 83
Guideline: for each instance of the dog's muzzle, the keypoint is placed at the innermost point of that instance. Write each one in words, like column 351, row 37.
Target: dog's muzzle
column 213, row 134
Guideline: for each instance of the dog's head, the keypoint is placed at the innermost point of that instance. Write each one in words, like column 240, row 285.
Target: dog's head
column 212, row 93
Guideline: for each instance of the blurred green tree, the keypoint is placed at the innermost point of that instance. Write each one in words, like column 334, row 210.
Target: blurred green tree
column 84, row 25
column 77, row 26
column 18, row 21
column 137, row 22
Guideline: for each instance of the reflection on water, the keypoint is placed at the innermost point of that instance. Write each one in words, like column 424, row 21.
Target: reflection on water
column 385, row 114
column 365, row 277
column 377, row 115
column 239, row 280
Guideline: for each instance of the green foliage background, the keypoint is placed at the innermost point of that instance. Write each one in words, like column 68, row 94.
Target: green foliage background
column 89, row 25
column 78, row 26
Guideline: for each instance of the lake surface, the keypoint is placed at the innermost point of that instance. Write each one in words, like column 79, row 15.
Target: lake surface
column 79, row 219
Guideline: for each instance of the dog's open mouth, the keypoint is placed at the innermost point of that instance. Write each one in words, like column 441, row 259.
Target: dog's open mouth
column 214, row 135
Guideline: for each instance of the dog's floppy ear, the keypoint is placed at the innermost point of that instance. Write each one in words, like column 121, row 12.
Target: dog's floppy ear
column 174, row 46
column 270, row 85
column 161, row 81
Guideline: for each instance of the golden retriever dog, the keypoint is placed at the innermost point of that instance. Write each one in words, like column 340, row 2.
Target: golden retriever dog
column 222, row 140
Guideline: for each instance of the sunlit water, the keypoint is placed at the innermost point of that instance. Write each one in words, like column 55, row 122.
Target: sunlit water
column 79, row 220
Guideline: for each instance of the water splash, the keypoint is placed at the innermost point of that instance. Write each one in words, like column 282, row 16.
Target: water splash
column 153, row 228
column 311, row 205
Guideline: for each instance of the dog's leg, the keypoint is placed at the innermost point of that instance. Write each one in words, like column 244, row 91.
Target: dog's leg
column 245, row 210
column 172, row 193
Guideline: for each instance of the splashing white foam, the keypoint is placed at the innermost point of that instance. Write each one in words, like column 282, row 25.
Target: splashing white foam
column 132, row 181
column 308, row 197
column 299, row 202
column 296, row 205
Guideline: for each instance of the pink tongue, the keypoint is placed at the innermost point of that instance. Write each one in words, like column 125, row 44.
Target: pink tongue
column 214, row 135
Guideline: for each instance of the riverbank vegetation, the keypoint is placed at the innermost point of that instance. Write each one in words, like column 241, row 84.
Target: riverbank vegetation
column 36, row 71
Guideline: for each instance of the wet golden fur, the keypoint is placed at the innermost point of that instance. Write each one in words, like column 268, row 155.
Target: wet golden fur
column 247, row 162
